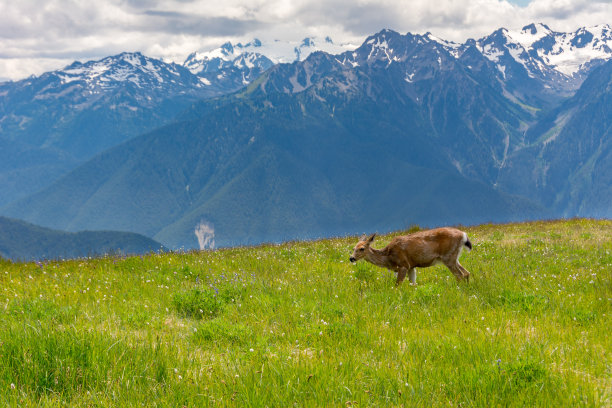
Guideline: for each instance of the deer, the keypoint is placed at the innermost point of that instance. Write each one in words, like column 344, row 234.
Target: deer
column 417, row 250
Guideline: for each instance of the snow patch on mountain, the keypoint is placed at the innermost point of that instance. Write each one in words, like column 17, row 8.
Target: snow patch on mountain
column 572, row 51
column 530, row 34
column 452, row 47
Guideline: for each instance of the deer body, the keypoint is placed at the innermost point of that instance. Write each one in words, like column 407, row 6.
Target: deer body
column 418, row 250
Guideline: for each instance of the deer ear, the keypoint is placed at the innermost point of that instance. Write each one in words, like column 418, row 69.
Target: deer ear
column 371, row 238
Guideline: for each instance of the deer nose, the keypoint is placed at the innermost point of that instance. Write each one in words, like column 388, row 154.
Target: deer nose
column 352, row 259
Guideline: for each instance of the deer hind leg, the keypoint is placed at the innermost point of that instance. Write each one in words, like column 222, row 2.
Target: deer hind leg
column 412, row 276
column 401, row 274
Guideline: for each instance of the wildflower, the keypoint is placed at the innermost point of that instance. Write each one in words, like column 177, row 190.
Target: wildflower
column 12, row 386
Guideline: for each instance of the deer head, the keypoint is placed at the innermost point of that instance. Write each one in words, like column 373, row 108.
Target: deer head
column 362, row 247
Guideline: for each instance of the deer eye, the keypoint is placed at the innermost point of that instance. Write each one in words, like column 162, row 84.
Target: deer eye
column 362, row 249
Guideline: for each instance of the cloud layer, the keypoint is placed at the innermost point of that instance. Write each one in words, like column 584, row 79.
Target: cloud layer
column 39, row 36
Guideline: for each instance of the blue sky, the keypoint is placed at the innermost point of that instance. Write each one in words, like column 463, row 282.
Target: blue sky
column 36, row 36
column 521, row 3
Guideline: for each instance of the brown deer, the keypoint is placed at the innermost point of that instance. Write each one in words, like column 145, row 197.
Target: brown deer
column 418, row 250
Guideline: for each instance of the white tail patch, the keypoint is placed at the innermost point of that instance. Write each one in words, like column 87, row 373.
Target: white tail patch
column 206, row 235
column 465, row 239
column 463, row 246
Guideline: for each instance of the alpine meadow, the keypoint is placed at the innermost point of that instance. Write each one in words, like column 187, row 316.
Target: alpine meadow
column 296, row 324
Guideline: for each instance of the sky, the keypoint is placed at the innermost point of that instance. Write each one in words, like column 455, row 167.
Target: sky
column 37, row 36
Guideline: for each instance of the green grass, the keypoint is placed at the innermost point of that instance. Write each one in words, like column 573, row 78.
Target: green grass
column 298, row 325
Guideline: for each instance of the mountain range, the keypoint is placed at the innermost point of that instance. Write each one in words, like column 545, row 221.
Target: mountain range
column 85, row 108
column 403, row 129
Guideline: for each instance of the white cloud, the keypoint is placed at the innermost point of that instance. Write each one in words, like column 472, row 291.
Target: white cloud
column 34, row 35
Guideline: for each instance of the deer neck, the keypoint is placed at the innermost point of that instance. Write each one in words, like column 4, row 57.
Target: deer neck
column 377, row 257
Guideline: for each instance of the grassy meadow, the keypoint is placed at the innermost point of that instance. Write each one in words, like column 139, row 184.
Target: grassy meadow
column 298, row 325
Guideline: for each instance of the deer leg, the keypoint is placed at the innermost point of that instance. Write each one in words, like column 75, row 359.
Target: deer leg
column 401, row 274
column 412, row 276
column 455, row 270
column 465, row 272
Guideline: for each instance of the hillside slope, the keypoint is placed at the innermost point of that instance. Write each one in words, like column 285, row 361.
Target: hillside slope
column 22, row 241
column 567, row 164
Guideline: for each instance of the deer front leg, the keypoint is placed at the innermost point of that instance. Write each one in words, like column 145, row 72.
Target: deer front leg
column 465, row 272
column 455, row 270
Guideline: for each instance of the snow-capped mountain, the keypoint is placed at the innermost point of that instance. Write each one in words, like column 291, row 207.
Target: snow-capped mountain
column 228, row 67
column 416, row 52
column 227, row 55
column 568, row 53
column 76, row 112
column 127, row 90
column 560, row 60
column 536, row 64
column 276, row 51
column 236, row 65
column 134, row 68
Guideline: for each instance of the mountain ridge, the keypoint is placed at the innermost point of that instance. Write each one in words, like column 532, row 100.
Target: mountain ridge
column 22, row 241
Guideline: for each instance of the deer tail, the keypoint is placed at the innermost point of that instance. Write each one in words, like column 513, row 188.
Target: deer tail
column 466, row 242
